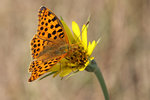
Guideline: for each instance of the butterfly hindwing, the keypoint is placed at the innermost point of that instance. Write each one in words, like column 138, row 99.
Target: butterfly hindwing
column 39, row 67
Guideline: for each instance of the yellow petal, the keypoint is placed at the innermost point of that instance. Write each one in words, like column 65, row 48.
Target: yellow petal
column 82, row 69
column 76, row 31
column 88, row 49
column 84, row 36
column 91, row 58
column 55, row 68
column 69, row 34
column 65, row 72
column 98, row 40
column 91, row 47
column 93, row 44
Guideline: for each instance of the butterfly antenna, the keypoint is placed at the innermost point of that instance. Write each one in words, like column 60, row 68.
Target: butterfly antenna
column 87, row 23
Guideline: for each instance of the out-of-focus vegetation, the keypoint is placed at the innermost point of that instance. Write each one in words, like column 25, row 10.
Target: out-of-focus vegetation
column 123, row 54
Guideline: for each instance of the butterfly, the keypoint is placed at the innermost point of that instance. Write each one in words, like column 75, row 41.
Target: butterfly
column 49, row 45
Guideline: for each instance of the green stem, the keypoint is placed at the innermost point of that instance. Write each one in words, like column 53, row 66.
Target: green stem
column 92, row 67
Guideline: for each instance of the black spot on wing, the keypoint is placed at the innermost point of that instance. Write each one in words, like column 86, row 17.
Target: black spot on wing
column 54, row 18
column 52, row 26
column 57, row 25
column 43, row 33
column 49, row 35
column 61, row 35
column 60, row 30
column 54, row 32
column 46, row 29
column 55, row 37
column 46, row 24
column 41, row 28
column 42, row 23
column 49, row 13
column 49, row 20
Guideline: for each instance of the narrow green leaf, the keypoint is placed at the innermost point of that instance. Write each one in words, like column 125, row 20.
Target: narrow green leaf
column 47, row 75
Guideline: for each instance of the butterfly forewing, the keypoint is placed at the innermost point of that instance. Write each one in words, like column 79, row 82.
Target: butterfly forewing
column 50, row 27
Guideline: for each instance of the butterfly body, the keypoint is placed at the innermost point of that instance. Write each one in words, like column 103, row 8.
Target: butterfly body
column 49, row 45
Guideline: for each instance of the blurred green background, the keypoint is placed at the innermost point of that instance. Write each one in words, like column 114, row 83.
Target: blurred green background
column 123, row 54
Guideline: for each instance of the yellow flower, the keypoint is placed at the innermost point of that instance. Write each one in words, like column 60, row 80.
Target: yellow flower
column 79, row 54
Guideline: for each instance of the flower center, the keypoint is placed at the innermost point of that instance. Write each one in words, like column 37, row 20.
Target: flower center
column 77, row 56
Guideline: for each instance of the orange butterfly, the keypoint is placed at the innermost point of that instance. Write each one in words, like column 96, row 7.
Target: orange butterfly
column 49, row 45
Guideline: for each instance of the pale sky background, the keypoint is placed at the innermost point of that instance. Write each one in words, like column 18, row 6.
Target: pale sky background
column 123, row 54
